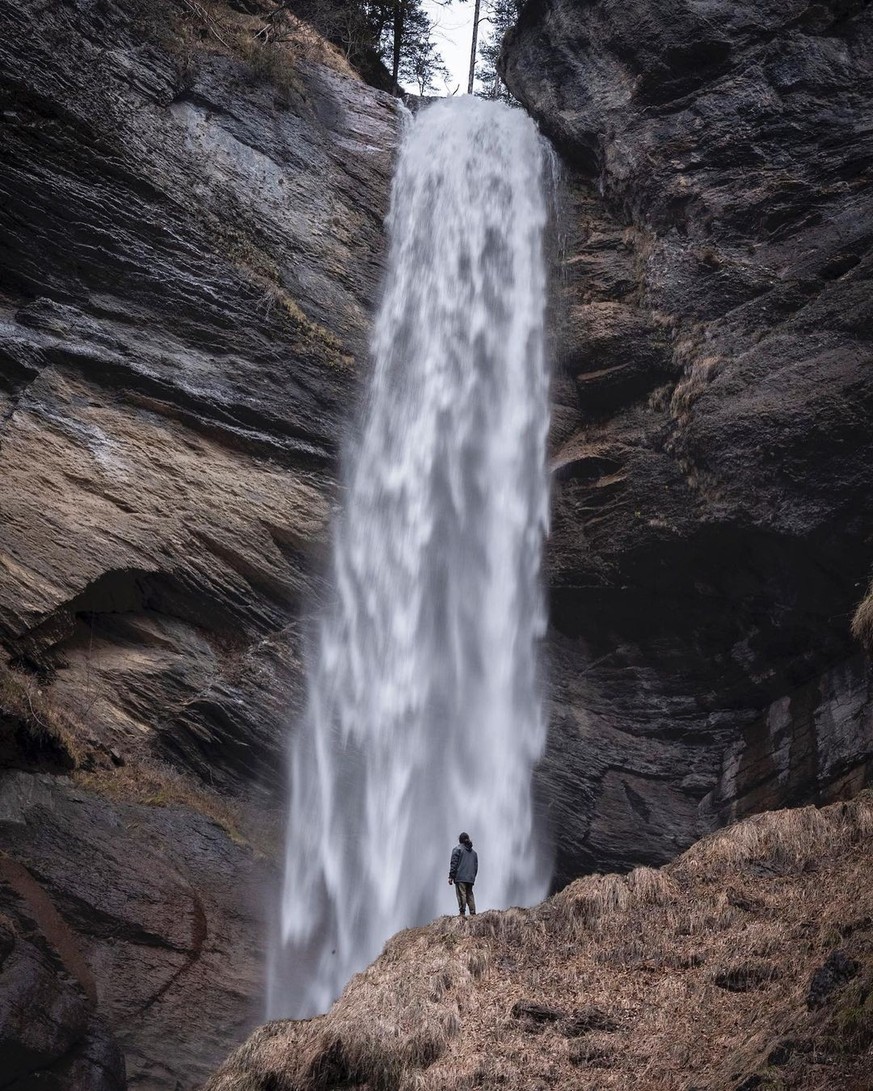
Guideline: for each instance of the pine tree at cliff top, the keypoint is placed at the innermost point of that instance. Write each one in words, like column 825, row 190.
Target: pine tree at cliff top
column 502, row 14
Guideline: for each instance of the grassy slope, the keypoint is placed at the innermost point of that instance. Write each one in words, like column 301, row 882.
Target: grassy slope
column 696, row 976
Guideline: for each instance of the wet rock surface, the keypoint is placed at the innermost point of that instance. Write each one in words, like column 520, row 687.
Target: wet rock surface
column 49, row 1031
column 711, row 533
column 191, row 235
column 137, row 936
column 190, row 256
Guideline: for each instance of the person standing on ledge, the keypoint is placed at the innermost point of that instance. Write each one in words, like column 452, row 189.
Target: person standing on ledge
column 462, row 872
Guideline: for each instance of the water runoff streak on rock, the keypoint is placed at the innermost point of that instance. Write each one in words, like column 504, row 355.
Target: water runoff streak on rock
column 424, row 713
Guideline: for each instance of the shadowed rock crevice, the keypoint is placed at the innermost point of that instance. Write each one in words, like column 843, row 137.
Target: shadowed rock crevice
column 199, row 936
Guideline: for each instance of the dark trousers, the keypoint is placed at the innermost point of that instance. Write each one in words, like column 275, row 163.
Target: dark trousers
column 466, row 900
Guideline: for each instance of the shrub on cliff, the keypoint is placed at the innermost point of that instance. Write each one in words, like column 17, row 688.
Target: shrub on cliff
column 33, row 725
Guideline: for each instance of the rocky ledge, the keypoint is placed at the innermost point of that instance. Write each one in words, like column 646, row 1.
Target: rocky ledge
column 712, row 451
column 746, row 964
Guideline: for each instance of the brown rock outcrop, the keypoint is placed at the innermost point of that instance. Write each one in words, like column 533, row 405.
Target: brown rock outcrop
column 711, row 526
column 191, row 223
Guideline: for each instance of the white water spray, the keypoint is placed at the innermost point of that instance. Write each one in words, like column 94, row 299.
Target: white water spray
column 424, row 714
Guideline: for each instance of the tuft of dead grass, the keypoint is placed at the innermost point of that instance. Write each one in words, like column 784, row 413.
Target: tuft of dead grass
column 648, row 886
column 698, row 973
column 862, row 622
column 586, row 904
column 781, row 842
column 850, row 1030
column 44, row 726
column 269, row 37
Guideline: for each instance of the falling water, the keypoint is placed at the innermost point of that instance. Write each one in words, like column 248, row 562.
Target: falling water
column 424, row 715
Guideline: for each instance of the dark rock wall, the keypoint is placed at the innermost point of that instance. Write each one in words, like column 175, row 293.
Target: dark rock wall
column 713, row 464
column 190, row 248
column 137, row 939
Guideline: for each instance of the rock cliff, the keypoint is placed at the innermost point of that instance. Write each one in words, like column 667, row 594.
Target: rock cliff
column 713, row 465
column 191, row 242
column 191, row 225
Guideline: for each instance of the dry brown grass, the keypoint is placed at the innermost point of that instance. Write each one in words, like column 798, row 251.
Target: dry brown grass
column 156, row 784
column 692, row 976
column 44, row 727
column 862, row 622
column 268, row 36
column 309, row 335
column 159, row 785
column 38, row 728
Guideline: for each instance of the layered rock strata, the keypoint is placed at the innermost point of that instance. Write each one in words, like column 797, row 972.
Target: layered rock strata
column 712, row 445
column 191, row 223
column 190, row 256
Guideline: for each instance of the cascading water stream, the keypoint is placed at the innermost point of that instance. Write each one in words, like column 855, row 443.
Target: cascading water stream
column 424, row 713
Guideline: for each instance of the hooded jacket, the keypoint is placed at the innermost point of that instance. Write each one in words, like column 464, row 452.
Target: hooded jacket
column 465, row 863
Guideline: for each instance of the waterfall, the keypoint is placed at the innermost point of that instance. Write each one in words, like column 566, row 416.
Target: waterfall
column 424, row 714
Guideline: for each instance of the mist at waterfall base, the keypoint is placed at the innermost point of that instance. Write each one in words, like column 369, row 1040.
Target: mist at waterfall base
column 424, row 713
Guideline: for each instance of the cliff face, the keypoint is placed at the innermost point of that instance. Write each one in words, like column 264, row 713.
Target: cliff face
column 190, row 256
column 712, row 457
column 191, row 246
column 191, row 231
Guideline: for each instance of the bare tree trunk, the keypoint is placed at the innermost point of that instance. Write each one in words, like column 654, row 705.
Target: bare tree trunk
column 473, row 49
column 399, row 11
